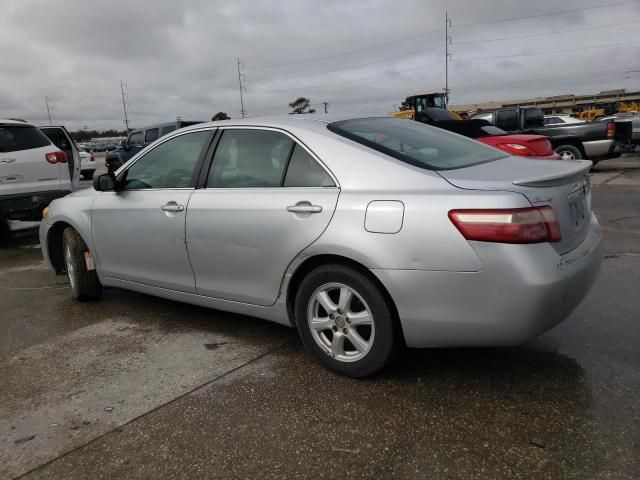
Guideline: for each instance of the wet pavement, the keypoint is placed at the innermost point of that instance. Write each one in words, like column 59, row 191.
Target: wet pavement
column 138, row 387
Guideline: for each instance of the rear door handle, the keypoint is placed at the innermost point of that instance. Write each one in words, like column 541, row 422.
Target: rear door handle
column 172, row 207
column 304, row 207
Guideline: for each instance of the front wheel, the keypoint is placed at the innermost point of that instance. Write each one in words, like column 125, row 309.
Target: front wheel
column 345, row 322
column 569, row 152
column 85, row 284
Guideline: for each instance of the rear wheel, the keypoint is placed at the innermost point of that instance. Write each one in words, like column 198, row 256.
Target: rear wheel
column 569, row 152
column 345, row 322
column 85, row 284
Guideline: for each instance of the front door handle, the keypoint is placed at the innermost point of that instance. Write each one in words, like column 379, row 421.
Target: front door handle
column 304, row 207
column 172, row 207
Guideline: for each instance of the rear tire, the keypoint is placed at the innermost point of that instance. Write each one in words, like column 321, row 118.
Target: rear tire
column 87, row 175
column 85, row 284
column 569, row 152
column 345, row 322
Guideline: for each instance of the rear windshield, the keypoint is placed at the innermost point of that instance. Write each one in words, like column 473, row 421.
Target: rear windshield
column 17, row 137
column 415, row 143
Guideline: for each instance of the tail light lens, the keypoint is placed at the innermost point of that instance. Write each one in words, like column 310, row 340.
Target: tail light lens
column 92, row 159
column 518, row 225
column 516, row 149
column 611, row 130
column 56, row 157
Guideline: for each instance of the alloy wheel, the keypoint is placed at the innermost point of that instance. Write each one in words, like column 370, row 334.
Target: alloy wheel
column 341, row 322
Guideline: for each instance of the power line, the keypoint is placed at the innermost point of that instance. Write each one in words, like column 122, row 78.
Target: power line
column 544, row 53
column 560, row 12
column 353, row 67
column 350, row 52
column 545, row 34
column 345, row 81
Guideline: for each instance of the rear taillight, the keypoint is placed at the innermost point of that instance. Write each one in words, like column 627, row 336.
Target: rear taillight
column 92, row 159
column 611, row 130
column 517, row 225
column 55, row 157
column 516, row 149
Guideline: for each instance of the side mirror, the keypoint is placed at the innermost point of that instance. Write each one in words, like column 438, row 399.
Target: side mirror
column 103, row 183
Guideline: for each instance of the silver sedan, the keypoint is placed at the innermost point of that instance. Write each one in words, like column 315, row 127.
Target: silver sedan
column 366, row 234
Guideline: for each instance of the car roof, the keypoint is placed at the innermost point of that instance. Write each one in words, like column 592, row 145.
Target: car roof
column 285, row 122
column 14, row 121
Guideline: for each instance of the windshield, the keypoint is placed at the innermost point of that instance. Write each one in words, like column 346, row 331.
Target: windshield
column 415, row 143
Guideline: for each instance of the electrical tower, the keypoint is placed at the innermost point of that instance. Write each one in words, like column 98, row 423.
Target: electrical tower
column 123, row 87
column 447, row 55
column 46, row 101
column 241, row 80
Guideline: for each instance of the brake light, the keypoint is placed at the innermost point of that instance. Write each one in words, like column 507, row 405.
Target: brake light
column 611, row 130
column 517, row 225
column 92, row 159
column 56, row 157
column 516, row 149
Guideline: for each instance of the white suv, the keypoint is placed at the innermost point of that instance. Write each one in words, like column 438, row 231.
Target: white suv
column 33, row 171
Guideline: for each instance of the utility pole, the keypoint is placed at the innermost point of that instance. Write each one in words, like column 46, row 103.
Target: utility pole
column 326, row 104
column 241, row 78
column 46, row 101
column 447, row 55
column 124, row 106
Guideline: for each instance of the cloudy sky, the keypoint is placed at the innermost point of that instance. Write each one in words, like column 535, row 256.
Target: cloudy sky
column 178, row 58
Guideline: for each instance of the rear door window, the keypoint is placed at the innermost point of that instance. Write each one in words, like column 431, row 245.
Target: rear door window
column 151, row 135
column 250, row 158
column 18, row 137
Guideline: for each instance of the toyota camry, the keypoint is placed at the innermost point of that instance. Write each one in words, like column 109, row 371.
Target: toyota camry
column 365, row 234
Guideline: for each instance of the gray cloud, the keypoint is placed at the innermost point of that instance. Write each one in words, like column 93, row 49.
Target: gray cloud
column 178, row 58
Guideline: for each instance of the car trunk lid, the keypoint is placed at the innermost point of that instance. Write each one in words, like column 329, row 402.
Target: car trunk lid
column 563, row 185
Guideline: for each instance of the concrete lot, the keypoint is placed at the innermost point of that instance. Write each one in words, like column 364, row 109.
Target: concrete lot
column 138, row 387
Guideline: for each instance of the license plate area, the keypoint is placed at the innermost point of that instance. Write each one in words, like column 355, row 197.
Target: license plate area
column 578, row 208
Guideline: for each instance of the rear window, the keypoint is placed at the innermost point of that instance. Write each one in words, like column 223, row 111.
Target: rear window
column 18, row 137
column 415, row 143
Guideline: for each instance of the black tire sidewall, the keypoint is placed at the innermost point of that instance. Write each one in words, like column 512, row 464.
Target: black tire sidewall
column 86, row 285
column 385, row 335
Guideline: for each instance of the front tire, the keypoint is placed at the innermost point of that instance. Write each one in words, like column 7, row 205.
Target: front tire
column 85, row 284
column 345, row 322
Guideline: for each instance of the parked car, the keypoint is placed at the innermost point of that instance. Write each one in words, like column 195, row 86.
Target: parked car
column 140, row 138
column 87, row 164
column 531, row 146
column 365, row 233
column 33, row 171
column 560, row 119
column 628, row 118
column 595, row 141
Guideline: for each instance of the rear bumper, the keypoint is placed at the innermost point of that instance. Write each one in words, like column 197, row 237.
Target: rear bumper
column 522, row 291
column 28, row 206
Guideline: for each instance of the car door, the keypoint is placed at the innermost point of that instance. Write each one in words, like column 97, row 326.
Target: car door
column 139, row 231
column 69, row 173
column 265, row 199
